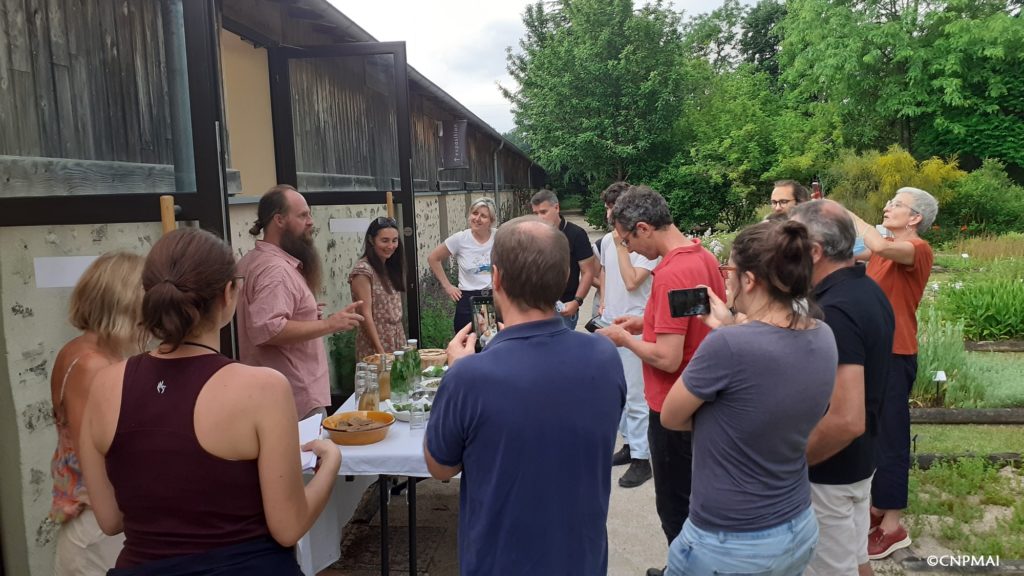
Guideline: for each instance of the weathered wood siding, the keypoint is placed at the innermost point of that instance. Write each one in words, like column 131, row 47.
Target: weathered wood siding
column 84, row 79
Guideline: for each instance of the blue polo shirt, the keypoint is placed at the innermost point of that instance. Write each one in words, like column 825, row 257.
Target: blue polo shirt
column 532, row 419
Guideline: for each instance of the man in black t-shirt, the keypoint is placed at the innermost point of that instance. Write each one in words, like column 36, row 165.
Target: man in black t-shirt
column 840, row 451
column 581, row 256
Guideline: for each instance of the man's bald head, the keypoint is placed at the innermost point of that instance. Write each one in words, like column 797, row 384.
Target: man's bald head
column 828, row 225
column 532, row 259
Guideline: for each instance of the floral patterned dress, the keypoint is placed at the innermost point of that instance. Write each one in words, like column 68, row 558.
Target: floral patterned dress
column 386, row 310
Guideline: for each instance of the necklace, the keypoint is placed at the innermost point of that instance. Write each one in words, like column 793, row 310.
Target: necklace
column 210, row 348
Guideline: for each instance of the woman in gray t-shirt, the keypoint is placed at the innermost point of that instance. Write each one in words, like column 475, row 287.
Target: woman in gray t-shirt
column 752, row 393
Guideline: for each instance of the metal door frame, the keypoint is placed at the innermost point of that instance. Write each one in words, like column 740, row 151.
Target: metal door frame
column 278, row 58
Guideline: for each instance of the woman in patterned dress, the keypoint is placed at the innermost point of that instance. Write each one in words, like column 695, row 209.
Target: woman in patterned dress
column 106, row 305
column 376, row 279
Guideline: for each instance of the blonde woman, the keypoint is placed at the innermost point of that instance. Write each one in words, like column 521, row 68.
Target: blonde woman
column 472, row 251
column 106, row 306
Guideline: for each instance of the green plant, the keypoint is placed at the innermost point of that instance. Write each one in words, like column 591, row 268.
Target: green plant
column 941, row 348
column 436, row 309
column 573, row 202
column 985, row 201
column 990, row 304
column 989, row 247
column 1002, row 375
column 341, row 348
column 951, row 499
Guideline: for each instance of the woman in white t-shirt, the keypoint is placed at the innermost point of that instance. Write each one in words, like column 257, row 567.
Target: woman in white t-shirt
column 472, row 251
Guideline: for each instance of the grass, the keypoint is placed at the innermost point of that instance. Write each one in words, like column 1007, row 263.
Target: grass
column 970, row 506
column 967, row 438
column 990, row 247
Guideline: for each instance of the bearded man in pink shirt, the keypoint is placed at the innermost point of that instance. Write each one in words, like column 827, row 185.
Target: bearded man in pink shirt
column 279, row 321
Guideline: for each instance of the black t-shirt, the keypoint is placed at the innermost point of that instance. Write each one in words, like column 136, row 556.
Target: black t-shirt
column 579, row 249
column 861, row 318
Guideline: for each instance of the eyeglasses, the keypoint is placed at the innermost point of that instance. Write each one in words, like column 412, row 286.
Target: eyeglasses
column 725, row 270
column 894, row 203
column 625, row 239
column 780, row 203
column 386, row 221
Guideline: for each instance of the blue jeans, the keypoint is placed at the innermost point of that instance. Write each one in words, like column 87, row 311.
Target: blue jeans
column 570, row 321
column 783, row 550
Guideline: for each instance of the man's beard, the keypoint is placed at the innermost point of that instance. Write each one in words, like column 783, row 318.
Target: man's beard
column 301, row 247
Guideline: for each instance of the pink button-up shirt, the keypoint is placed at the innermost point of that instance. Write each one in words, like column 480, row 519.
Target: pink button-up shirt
column 273, row 293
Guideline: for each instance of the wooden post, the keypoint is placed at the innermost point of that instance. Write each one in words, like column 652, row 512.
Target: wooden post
column 391, row 205
column 167, row 213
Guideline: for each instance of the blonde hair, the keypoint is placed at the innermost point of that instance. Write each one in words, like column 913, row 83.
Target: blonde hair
column 486, row 203
column 107, row 300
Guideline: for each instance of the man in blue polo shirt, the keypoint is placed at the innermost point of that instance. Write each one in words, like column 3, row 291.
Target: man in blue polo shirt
column 840, row 451
column 530, row 422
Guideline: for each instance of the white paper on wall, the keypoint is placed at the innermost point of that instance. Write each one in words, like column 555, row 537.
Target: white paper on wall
column 349, row 225
column 60, row 271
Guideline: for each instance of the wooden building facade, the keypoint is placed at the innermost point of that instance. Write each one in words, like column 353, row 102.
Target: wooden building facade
column 107, row 104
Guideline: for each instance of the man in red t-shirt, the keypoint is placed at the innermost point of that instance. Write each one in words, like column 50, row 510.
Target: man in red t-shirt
column 642, row 220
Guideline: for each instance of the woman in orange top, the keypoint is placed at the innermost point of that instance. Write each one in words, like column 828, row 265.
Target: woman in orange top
column 901, row 265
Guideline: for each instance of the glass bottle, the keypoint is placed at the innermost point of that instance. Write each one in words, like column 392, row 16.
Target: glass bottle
column 384, row 379
column 412, row 359
column 359, row 386
column 371, row 395
column 399, row 379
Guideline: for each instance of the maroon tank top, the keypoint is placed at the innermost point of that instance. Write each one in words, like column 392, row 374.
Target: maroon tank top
column 176, row 497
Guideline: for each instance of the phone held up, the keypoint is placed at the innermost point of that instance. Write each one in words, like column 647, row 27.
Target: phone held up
column 485, row 320
column 689, row 302
column 596, row 323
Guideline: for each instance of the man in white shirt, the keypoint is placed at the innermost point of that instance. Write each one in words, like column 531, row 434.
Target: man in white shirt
column 625, row 282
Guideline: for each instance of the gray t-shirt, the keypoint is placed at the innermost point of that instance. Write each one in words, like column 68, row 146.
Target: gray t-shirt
column 764, row 389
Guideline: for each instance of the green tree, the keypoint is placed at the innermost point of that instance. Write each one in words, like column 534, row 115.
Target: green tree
column 761, row 37
column 599, row 86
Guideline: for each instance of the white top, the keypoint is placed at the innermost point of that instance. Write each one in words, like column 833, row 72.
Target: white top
column 617, row 300
column 474, row 259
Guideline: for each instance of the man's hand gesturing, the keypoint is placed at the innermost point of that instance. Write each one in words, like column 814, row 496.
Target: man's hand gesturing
column 346, row 319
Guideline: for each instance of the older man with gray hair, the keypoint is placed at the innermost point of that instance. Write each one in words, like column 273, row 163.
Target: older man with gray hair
column 840, row 451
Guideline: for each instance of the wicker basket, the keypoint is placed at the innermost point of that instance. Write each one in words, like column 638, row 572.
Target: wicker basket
column 432, row 357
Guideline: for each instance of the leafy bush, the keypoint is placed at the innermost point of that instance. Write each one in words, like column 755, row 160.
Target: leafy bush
column 941, row 347
column 985, row 201
column 700, row 198
column 990, row 306
column 436, row 309
column 865, row 182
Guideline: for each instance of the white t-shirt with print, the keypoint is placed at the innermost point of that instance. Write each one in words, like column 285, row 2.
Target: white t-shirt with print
column 617, row 300
column 474, row 259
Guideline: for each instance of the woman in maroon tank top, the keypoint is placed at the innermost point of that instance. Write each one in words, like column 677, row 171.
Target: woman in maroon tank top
column 191, row 454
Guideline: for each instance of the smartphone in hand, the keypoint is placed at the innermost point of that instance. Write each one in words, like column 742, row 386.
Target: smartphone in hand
column 485, row 320
column 689, row 302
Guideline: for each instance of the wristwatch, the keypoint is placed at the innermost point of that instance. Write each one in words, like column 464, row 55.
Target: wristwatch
column 578, row 300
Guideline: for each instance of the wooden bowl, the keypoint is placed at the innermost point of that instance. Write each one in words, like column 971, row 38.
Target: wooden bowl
column 375, row 358
column 361, row 437
column 432, row 357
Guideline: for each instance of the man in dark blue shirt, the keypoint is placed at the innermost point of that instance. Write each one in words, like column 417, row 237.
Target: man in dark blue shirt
column 840, row 451
column 530, row 422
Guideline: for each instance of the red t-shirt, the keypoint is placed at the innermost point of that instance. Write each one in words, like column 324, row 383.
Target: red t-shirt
column 904, row 285
column 684, row 267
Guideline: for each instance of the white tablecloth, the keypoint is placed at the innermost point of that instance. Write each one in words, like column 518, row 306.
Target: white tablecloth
column 400, row 453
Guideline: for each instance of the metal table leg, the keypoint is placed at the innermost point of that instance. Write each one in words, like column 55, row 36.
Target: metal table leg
column 383, row 482
column 411, row 497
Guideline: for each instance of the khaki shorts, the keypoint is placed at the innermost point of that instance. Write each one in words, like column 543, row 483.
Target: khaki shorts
column 83, row 549
column 843, row 512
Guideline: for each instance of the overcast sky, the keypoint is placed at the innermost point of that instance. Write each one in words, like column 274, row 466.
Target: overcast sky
column 460, row 44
